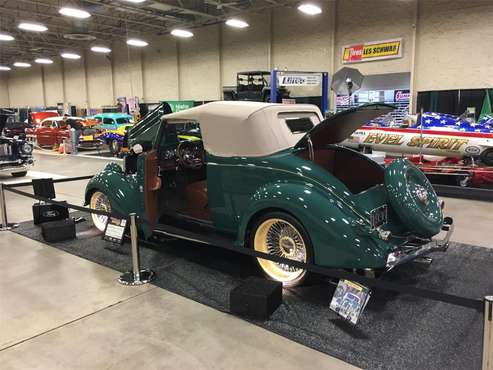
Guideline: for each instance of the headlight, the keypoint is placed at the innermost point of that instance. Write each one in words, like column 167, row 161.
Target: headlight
column 27, row 148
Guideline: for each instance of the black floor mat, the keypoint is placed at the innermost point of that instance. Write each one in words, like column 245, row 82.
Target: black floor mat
column 395, row 332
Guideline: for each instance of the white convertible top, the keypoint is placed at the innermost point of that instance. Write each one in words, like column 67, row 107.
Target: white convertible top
column 240, row 128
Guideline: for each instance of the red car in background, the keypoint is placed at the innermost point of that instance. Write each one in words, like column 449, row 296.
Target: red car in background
column 53, row 130
column 38, row 117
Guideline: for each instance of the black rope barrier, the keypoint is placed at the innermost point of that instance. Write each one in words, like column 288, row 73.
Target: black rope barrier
column 29, row 183
column 477, row 304
column 66, row 204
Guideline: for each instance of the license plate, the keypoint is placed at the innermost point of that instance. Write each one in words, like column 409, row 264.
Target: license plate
column 87, row 138
column 378, row 216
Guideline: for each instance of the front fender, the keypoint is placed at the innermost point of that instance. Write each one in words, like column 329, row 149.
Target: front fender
column 123, row 190
column 331, row 226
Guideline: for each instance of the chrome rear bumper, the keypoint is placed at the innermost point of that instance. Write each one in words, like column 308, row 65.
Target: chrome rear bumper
column 12, row 168
column 409, row 252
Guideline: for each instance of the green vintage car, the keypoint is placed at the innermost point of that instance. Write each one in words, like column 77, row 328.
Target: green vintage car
column 272, row 177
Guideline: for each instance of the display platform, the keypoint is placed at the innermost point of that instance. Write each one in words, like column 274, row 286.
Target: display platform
column 395, row 331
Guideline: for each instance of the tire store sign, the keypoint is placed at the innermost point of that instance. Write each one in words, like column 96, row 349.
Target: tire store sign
column 299, row 80
column 374, row 50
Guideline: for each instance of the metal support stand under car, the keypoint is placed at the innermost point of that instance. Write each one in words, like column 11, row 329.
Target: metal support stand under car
column 4, row 226
column 487, row 363
column 137, row 276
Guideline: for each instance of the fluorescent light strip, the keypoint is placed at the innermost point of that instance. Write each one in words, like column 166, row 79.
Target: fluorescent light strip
column 6, row 37
column 137, row 42
column 43, row 61
column 34, row 27
column 310, row 9
column 75, row 13
column 70, row 56
column 5, row 68
column 22, row 65
column 181, row 33
column 101, row 49
column 237, row 23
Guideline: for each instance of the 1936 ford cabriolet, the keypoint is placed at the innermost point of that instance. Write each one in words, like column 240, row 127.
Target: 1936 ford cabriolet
column 272, row 177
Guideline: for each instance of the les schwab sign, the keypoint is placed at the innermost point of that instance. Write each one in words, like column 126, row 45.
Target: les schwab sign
column 374, row 50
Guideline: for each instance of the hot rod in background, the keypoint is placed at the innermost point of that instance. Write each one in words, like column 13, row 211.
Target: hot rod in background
column 15, row 153
column 52, row 131
column 279, row 184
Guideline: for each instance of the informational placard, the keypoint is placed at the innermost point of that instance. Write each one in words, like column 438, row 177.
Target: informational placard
column 299, row 79
column 349, row 300
column 115, row 230
column 373, row 50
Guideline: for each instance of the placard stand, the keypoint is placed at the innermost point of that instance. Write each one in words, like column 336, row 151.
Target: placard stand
column 137, row 276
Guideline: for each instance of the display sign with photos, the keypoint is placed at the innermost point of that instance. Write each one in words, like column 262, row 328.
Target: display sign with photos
column 349, row 300
column 115, row 230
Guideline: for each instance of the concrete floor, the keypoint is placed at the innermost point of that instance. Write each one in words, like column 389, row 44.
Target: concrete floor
column 59, row 311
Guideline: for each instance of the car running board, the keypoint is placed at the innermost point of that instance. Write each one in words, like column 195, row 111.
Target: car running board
column 210, row 238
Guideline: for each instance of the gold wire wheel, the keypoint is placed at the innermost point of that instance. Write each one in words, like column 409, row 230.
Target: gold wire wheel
column 100, row 202
column 280, row 238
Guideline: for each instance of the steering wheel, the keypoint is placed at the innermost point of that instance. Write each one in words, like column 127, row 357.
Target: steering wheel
column 190, row 154
column 413, row 199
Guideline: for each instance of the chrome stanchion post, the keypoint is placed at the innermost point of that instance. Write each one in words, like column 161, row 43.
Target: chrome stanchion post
column 137, row 276
column 4, row 226
column 135, row 248
column 487, row 363
column 3, row 209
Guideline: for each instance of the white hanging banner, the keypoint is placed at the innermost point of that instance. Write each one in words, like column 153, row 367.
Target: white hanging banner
column 298, row 79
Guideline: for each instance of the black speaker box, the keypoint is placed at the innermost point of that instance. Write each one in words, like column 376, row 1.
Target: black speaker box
column 256, row 298
column 48, row 212
column 58, row 231
column 44, row 188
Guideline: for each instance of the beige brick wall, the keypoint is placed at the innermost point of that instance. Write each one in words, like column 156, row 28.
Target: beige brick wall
column 454, row 49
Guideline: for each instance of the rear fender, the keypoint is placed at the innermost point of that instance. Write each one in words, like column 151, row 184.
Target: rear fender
column 332, row 228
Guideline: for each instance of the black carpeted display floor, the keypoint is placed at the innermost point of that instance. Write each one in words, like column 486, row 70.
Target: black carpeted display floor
column 396, row 331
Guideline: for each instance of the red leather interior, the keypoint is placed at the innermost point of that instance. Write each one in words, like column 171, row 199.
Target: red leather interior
column 197, row 200
column 355, row 171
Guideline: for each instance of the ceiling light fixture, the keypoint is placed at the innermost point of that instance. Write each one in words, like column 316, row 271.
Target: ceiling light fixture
column 75, row 13
column 5, row 68
column 181, row 33
column 137, row 42
column 310, row 9
column 35, row 27
column 135, row 1
column 6, row 37
column 101, row 49
column 70, row 56
column 43, row 61
column 22, row 65
column 237, row 23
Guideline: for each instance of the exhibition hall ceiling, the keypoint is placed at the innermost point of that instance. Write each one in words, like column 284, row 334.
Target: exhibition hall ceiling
column 83, row 24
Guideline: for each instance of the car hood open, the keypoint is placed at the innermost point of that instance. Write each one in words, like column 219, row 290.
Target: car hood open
column 341, row 125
